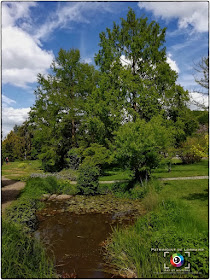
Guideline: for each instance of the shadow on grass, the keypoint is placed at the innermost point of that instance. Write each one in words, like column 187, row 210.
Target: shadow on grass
column 200, row 196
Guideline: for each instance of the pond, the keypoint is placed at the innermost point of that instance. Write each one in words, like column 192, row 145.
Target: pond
column 76, row 240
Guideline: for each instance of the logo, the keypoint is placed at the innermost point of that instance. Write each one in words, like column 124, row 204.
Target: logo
column 177, row 260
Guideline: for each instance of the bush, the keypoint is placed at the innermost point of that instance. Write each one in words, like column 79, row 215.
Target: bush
column 35, row 187
column 68, row 174
column 22, row 257
column 194, row 149
column 87, row 181
column 65, row 187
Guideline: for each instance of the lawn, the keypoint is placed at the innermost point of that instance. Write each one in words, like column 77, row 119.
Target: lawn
column 183, row 170
column 177, row 170
column 116, row 174
column 193, row 193
column 20, row 170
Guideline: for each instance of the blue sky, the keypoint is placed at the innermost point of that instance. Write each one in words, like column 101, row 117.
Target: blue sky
column 33, row 33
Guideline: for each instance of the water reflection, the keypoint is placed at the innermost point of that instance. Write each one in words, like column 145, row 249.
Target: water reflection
column 75, row 241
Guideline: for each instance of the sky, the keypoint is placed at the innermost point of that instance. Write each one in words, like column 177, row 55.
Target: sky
column 33, row 33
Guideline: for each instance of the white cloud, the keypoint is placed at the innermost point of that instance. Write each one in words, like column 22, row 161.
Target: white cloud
column 187, row 13
column 22, row 57
column 13, row 11
column 125, row 61
column 6, row 100
column 202, row 99
column 70, row 12
column 172, row 63
column 11, row 116
column 87, row 60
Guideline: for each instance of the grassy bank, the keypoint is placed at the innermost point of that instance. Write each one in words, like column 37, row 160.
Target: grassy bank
column 177, row 218
column 133, row 250
column 22, row 256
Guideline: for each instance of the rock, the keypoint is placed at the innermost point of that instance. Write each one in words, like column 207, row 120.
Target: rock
column 52, row 197
column 45, row 196
column 63, row 197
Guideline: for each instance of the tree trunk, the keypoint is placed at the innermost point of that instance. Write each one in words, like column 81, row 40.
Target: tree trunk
column 73, row 131
column 141, row 176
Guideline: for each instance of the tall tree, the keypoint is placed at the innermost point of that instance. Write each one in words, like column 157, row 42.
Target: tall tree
column 136, row 49
column 60, row 99
column 202, row 69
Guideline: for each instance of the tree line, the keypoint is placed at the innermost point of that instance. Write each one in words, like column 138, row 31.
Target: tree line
column 128, row 109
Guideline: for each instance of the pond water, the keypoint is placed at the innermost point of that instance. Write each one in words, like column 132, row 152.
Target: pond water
column 76, row 241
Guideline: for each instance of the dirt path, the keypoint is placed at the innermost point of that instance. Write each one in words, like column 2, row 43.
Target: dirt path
column 9, row 191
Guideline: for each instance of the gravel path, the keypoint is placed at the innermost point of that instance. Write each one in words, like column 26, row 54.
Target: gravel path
column 185, row 178
column 162, row 179
column 9, row 191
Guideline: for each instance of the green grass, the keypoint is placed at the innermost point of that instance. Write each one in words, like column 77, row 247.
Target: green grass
column 23, row 257
column 177, row 218
column 21, row 170
column 172, row 226
column 116, row 174
column 193, row 193
column 183, row 170
column 177, row 170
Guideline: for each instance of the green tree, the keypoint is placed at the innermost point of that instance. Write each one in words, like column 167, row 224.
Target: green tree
column 13, row 147
column 133, row 53
column 141, row 145
column 59, row 107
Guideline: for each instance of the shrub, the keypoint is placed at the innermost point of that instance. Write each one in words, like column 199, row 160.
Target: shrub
column 65, row 187
column 35, row 187
column 194, row 149
column 87, row 181
column 69, row 174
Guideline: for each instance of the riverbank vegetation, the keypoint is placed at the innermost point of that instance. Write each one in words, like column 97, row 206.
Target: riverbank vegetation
column 126, row 119
column 23, row 257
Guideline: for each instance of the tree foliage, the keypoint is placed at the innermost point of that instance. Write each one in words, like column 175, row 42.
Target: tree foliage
column 141, row 145
column 133, row 53
column 58, row 111
column 131, row 104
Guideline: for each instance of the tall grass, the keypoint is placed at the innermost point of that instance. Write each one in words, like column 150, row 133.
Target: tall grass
column 170, row 226
column 22, row 256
